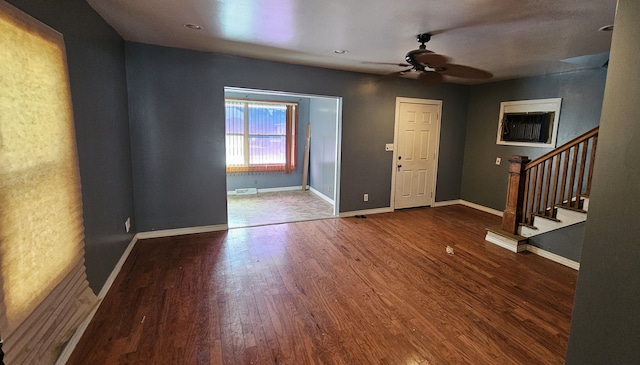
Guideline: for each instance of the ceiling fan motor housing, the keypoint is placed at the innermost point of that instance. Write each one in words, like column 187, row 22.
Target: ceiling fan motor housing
column 423, row 38
column 433, row 65
column 410, row 58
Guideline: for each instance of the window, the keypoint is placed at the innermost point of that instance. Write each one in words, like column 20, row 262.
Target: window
column 532, row 123
column 260, row 135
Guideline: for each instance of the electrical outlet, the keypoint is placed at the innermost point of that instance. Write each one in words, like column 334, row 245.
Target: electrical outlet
column 127, row 224
column 365, row 197
column 498, row 160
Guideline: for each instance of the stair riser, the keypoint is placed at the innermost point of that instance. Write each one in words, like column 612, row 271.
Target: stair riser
column 505, row 242
column 567, row 217
column 570, row 217
column 546, row 224
column 527, row 232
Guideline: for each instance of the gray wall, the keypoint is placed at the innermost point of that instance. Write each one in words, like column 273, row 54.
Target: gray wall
column 566, row 242
column 95, row 56
column 177, row 130
column 323, row 114
column 483, row 181
column 273, row 179
column 605, row 326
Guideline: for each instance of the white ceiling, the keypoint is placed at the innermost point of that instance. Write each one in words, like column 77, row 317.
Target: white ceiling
column 509, row 38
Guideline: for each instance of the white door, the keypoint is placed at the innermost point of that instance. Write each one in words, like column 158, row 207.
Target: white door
column 415, row 160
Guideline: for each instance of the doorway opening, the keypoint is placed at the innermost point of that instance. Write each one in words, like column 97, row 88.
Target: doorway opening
column 269, row 155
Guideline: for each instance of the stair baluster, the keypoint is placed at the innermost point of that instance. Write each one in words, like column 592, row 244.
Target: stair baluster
column 556, row 178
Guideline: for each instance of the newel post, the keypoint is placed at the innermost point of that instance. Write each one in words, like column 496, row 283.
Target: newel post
column 515, row 194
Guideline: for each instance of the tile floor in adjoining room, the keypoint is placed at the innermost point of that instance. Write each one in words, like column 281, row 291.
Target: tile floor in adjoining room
column 276, row 207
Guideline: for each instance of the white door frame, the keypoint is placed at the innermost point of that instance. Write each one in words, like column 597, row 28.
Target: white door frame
column 338, row 166
column 400, row 100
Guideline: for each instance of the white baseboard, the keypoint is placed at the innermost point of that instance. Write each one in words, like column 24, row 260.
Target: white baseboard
column 117, row 268
column 470, row 205
column 77, row 335
column 273, row 190
column 447, row 202
column 436, row 204
column 283, row 188
column 322, row 196
column 512, row 246
column 481, row 207
column 365, row 212
column 181, row 231
column 553, row 257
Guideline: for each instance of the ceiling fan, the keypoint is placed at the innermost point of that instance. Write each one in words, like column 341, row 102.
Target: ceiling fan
column 433, row 66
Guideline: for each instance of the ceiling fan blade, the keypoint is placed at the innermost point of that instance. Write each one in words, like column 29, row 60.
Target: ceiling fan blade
column 432, row 60
column 387, row 63
column 430, row 77
column 465, row 72
column 400, row 73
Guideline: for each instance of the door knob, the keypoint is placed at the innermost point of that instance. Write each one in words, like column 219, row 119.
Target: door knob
column 399, row 166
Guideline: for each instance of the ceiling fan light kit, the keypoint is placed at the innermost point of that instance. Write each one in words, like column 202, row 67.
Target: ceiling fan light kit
column 432, row 66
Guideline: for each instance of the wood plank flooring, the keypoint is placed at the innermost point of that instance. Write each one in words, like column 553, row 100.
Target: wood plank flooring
column 379, row 290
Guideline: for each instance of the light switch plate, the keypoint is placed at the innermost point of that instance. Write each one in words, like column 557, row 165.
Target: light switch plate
column 498, row 160
column 388, row 147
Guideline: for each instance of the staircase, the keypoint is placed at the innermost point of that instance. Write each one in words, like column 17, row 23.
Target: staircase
column 548, row 193
column 565, row 215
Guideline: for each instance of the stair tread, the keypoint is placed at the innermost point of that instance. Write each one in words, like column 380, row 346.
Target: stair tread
column 568, row 207
column 501, row 232
column 546, row 217
column 528, row 226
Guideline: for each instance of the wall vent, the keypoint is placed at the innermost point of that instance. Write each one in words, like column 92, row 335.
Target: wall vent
column 246, row 191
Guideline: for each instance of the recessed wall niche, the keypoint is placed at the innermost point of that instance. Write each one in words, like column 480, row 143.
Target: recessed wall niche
column 530, row 123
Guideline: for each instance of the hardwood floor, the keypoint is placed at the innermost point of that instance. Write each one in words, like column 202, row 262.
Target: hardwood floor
column 380, row 290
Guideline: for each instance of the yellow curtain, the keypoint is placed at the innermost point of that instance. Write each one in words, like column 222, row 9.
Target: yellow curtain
column 42, row 272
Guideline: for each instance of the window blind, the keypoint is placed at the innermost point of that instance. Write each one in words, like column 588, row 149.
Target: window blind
column 260, row 135
column 44, row 291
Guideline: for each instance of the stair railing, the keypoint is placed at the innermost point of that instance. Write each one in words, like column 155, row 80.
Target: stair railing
column 560, row 177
